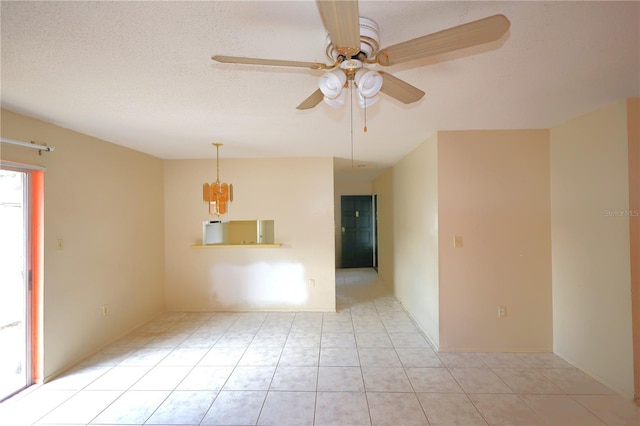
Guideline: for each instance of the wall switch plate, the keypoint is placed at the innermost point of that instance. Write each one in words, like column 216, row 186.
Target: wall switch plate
column 457, row 241
column 502, row 311
column 60, row 244
column 312, row 283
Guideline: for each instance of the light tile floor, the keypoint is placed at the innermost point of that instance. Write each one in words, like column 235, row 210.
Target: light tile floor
column 365, row 364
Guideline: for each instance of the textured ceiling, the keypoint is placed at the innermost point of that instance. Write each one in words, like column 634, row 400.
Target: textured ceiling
column 139, row 74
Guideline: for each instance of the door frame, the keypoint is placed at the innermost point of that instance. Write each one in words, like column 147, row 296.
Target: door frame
column 33, row 198
column 374, row 228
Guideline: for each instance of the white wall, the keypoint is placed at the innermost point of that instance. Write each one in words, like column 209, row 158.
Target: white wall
column 415, row 236
column 297, row 193
column 590, row 245
column 105, row 202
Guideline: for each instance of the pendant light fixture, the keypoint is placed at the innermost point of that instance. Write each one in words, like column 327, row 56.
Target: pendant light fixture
column 217, row 194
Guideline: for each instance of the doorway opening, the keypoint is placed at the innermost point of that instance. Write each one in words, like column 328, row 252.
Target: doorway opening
column 359, row 231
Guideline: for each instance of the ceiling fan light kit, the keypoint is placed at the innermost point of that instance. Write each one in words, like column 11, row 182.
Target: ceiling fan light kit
column 331, row 83
column 353, row 42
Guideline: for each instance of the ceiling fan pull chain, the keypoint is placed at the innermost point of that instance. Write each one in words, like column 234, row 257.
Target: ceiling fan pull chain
column 365, row 115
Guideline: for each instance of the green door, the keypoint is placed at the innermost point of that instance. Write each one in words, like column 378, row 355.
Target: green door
column 357, row 231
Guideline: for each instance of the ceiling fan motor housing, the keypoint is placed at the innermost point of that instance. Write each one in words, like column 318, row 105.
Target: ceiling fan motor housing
column 369, row 42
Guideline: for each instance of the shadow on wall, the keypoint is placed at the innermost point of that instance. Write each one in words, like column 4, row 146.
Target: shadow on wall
column 260, row 285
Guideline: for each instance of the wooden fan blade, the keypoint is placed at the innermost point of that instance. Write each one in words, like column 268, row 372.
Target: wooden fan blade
column 342, row 21
column 455, row 38
column 400, row 89
column 268, row 62
column 313, row 100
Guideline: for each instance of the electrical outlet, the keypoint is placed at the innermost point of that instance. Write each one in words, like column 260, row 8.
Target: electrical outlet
column 502, row 311
column 312, row 283
column 105, row 310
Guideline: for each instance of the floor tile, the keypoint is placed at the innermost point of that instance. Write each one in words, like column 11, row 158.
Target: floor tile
column 261, row 356
column 81, row 408
column 373, row 340
column 545, row 360
column 269, row 340
column 222, row 356
column 391, row 409
column 561, row 410
column 527, row 381
column 612, row 409
column 300, row 357
column 574, row 381
column 337, row 326
column 26, row 409
column 340, row 379
column 502, row 409
column 339, row 357
column 379, row 357
column 418, row 357
column 304, row 339
column 503, row 360
column 338, row 340
column 386, row 379
column 184, row 356
column 162, row 378
column 450, row 409
column 295, row 379
column 132, row 407
column 118, row 378
column 479, row 380
column 250, row 378
column 238, row 339
column 146, row 357
column 432, row 380
column 408, row 340
column 460, row 359
column 183, row 408
column 367, row 363
column 288, row 408
column 235, row 408
column 341, row 408
column 206, row 378
column 109, row 356
column 78, row 377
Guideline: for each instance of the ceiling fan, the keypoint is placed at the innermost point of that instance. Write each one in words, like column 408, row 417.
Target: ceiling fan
column 353, row 43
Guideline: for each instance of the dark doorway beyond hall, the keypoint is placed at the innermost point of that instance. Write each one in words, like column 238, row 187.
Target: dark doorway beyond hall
column 357, row 218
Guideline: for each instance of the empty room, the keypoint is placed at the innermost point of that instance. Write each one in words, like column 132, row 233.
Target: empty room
column 320, row 213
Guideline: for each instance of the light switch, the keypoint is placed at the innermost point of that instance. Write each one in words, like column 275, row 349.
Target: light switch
column 457, row 241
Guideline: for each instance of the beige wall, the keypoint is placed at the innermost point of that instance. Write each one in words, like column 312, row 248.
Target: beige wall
column 297, row 193
column 493, row 191
column 415, row 236
column 106, row 203
column 383, row 187
column 590, row 245
column 633, row 128
column 340, row 188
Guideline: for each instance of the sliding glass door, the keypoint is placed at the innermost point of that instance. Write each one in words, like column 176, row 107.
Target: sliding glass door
column 15, row 366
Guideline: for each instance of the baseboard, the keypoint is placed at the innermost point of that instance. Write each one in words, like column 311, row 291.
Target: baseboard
column 495, row 350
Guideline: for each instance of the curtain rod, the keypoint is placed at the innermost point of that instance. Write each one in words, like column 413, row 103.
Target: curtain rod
column 28, row 145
